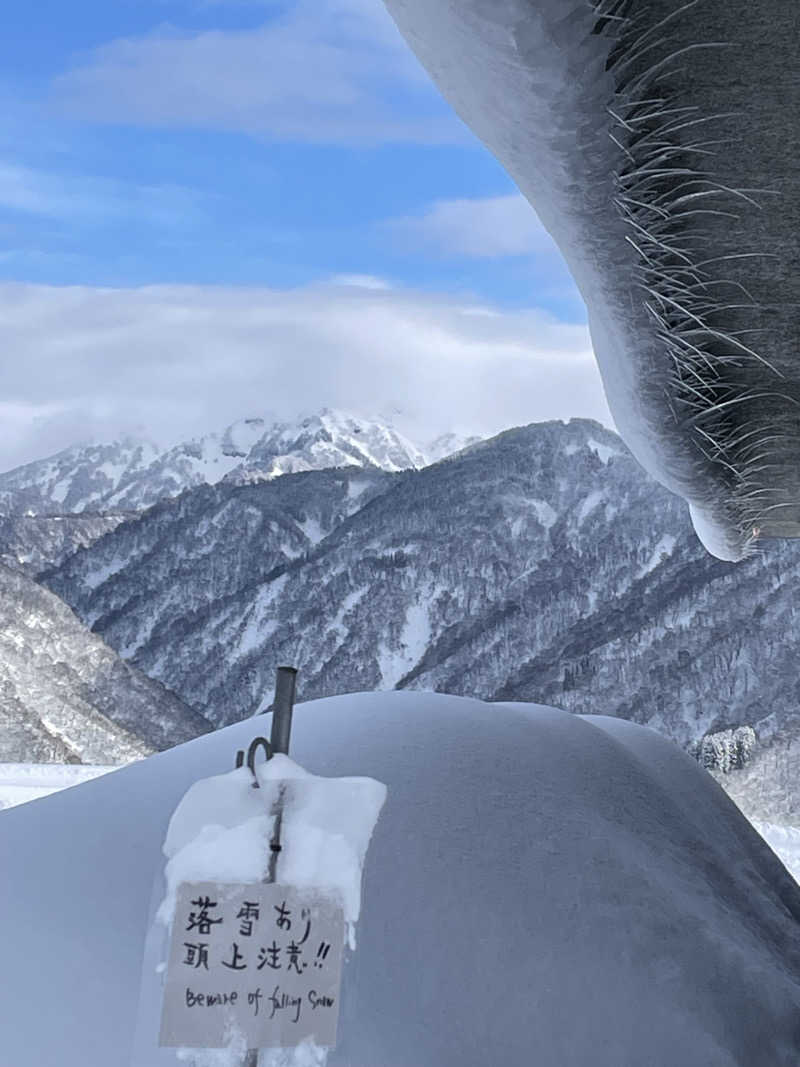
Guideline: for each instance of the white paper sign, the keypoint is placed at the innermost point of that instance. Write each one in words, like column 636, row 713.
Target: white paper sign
column 263, row 961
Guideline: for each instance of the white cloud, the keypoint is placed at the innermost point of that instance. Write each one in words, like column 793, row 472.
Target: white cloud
column 323, row 70
column 360, row 281
column 175, row 361
column 92, row 199
column 488, row 227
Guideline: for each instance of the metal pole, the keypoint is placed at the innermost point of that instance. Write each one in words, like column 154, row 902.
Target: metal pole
column 285, row 687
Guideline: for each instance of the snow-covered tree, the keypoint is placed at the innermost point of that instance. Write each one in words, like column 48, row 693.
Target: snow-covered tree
column 725, row 750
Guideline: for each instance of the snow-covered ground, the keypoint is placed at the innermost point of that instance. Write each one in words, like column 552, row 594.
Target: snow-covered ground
column 541, row 889
column 21, row 782
column 784, row 842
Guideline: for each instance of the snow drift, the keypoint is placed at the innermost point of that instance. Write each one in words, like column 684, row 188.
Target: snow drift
column 541, row 889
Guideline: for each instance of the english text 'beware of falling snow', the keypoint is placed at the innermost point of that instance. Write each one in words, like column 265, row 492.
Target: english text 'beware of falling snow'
column 260, row 961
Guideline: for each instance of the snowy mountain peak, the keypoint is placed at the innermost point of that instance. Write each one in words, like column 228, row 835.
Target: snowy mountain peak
column 130, row 475
column 81, row 478
column 329, row 438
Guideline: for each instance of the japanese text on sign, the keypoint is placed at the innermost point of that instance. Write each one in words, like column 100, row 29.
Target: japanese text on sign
column 263, row 961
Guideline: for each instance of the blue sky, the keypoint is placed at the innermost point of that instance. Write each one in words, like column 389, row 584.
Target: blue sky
column 270, row 145
column 136, row 176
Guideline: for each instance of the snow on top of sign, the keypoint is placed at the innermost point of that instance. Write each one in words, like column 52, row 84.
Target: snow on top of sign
column 222, row 827
column 221, row 832
column 327, row 826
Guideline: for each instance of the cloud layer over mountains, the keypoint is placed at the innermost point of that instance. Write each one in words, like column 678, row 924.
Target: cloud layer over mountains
column 171, row 361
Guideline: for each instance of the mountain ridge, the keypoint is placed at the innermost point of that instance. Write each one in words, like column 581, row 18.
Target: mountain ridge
column 65, row 696
column 131, row 475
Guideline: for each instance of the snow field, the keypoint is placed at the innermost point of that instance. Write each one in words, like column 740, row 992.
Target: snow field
column 541, row 889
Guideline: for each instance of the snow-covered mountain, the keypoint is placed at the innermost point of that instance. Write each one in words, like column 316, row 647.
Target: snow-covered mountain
column 540, row 565
column 82, row 478
column 131, row 475
column 356, row 573
column 184, row 558
column 329, row 439
column 31, row 543
column 66, row 696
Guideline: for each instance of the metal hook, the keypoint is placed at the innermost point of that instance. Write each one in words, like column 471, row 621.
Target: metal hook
column 255, row 744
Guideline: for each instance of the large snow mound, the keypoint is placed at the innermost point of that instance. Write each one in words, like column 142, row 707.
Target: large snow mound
column 541, row 889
